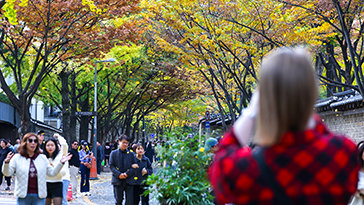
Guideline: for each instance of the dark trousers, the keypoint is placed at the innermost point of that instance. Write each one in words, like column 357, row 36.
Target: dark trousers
column 107, row 159
column 138, row 193
column 119, row 194
column 85, row 178
column 98, row 166
column 8, row 179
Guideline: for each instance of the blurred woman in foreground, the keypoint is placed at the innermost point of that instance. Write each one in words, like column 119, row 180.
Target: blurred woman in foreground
column 297, row 159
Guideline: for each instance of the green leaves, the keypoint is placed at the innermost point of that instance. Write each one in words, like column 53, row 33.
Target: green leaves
column 184, row 179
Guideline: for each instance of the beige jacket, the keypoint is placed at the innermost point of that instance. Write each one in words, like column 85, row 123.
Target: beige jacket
column 53, row 162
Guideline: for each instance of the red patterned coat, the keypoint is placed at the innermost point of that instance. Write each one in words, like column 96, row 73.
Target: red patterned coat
column 313, row 167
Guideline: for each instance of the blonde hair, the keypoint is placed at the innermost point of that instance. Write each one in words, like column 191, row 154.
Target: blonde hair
column 287, row 91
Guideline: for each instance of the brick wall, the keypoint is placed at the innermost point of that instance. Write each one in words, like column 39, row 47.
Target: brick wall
column 350, row 123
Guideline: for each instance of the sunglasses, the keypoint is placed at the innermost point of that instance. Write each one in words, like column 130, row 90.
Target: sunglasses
column 75, row 143
column 32, row 140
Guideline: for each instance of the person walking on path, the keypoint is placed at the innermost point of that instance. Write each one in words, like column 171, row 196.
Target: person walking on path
column 123, row 164
column 100, row 157
column 74, row 167
column 85, row 167
column 40, row 135
column 4, row 151
column 8, row 144
column 149, row 151
column 145, row 169
column 54, row 183
column 107, row 153
column 16, row 146
column 297, row 160
column 66, row 169
column 30, row 169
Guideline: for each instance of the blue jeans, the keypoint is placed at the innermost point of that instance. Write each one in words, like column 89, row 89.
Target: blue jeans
column 66, row 183
column 85, row 178
column 30, row 199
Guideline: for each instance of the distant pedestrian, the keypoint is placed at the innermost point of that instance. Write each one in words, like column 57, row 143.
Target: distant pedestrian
column 74, row 167
column 40, row 135
column 123, row 164
column 85, row 167
column 54, row 183
column 8, row 144
column 115, row 145
column 66, row 169
column 100, row 157
column 211, row 145
column 133, row 148
column 107, row 152
column 149, row 151
column 30, row 169
column 145, row 169
column 297, row 160
column 4, row 151
column 16, row 146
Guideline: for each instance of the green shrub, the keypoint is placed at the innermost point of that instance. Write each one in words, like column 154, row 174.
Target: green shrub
column 4, row 99
column 184, row 179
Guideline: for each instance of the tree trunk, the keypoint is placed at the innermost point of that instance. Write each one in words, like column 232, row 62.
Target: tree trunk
column 25, row 125
column 73, row 119
column 66, row 111
column 85, row 106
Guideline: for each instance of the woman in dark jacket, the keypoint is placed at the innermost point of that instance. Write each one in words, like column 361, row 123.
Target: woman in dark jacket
column 4, row 150
column 144, row 170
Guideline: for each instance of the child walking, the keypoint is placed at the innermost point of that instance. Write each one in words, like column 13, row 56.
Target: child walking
column 144, row 170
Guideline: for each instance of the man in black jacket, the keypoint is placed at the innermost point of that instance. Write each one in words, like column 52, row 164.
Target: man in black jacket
column 123, row 164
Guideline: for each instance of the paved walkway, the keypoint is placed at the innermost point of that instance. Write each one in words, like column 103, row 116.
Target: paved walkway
column 101, row 193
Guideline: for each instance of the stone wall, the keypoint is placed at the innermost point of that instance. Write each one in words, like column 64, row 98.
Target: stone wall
column 350, row 123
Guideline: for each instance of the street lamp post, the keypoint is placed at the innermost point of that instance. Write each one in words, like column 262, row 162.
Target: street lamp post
column 95, row 103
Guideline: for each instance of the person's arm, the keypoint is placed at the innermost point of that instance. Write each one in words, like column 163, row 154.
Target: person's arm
column 245, row 125
column 64, row 145
column 149, row 167
column 84, row 156
column 113, row 165
column 132, row 171
column 53, row 171
column 9, row 167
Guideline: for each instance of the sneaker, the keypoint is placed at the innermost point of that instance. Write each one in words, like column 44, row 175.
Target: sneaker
column 88, row 194
column 7, row 188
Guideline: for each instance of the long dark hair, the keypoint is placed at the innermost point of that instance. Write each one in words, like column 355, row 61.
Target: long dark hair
column 56, row 151
column 23, row 145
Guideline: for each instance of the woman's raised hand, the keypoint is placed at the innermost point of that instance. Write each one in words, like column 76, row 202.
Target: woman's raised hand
column 66, row 158
column 8, row 157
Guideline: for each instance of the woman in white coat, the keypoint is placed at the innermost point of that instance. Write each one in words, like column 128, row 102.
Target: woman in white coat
column 30, row 168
